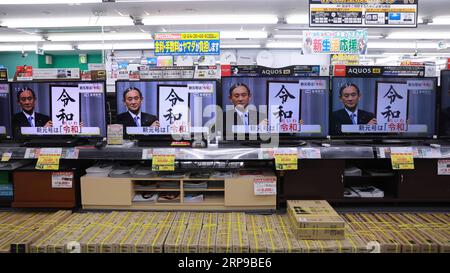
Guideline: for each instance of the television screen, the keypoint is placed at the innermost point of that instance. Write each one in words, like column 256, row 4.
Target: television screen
column 444, row 118
column 384, row 106
column 58, row 108
column 5, row 111
column 288, row 106
column 166, row 107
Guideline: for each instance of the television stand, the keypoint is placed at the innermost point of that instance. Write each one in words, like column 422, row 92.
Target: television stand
column 54, row 142
column 371, row 142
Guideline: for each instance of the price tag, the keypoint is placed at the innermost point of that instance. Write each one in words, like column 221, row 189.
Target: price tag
column 32, row 153
column 6, row 156
column 115, row 134
column 72, row 153
column 265, row 185
column 147, row 154
column 163, row 162
column 310, row 153
column 286, row 159
column 443, row 167
column 62, row 180
column 49, row 159
column 402, row 158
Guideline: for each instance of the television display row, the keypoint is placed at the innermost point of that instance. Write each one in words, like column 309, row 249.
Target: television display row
column 298, row 106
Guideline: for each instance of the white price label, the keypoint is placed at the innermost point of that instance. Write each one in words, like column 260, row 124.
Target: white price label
column 265, row 186
column 62, row 180
column 443, row 167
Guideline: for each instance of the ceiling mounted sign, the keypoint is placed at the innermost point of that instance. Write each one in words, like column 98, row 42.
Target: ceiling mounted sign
column 363, row 13
column 187, row 43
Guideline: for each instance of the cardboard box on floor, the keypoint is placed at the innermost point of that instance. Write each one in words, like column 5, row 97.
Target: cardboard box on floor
column 315, row 219
column 207, row 240
column 367, row 235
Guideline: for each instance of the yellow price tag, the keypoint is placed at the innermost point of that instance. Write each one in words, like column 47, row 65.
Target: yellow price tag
column 163, row 162
column 286, row 162
column 48, row 162
column 6, row 157
column 402, row 160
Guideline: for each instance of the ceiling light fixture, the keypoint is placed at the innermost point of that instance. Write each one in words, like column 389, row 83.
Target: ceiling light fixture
column 284, row 45
column 210, row 20
column 301, row 19
column 116, row 46
column 44, row 2
column 62, row 37
column 67, row 22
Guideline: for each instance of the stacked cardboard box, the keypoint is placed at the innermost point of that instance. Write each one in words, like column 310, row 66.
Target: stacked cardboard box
column 207, row 240
column 435, row 226
column 232, row 233
column 175, row 236
column 315, row 219
column 283, row 226
column 19, row 230
column 256, row 238
column 370, row 232
column 191, row 237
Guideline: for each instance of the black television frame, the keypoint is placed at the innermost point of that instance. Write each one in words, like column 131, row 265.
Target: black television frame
column 383, row 136
column 281, row 136
column 162, row 137
column 6, row 135
column 60, row 82
column 439, row 115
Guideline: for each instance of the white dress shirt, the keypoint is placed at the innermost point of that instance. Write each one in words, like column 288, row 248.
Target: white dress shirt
column 139, row 120
column 33, row 119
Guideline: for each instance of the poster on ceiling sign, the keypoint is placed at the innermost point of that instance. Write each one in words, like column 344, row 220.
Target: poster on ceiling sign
column 187, row 43
column 335, row 42
column 363, row 13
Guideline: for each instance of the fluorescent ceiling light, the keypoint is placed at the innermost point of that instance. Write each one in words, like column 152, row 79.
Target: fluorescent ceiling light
column 99, row 36
column 18, row 48
column 419, row 35
column 410, row 45
column 441, row 20
column 240, row 46
column 100, row 46
column 210, row 20
column 302, row 19
column 67, row 22
column 61, row 47
column 39, row 2
column 20, row 38
column 284, row 45
column 288, row 36
column 243, row 34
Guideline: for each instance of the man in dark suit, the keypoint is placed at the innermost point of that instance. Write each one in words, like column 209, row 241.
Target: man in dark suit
column 28, row 117
column 350, row 95
column 241, row 113
column 132, row 98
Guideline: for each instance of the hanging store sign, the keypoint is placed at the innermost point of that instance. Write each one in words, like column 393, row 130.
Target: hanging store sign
column 363, row 13
column 335, row 42
column 190, row 43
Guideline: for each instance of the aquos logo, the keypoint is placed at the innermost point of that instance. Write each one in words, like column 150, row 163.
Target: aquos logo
column 363, row 70
column 270, row 72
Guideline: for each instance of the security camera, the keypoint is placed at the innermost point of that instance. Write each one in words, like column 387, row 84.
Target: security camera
column 24, row 54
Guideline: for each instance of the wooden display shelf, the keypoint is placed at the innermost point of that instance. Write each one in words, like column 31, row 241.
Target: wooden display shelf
column 157, row 189
column 206, row 190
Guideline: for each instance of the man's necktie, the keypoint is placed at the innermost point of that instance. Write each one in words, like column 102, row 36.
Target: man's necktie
column 244, row 116
column 30, row 121
column 354, row 118
column 137, row 122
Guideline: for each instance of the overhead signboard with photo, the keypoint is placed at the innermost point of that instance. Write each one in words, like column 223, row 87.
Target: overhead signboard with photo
column 363, row 13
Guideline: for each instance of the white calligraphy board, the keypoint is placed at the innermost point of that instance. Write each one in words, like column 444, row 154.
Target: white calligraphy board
column 65, row 105
column 173, row 107
column 392, row 102
column 284, row 97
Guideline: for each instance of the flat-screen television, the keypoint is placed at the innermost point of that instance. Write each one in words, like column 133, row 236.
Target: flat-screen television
column 383, row 107
column 163, row 109
column 444, row 116
column 67, row 109
column 291, row 107
column 5, row 111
